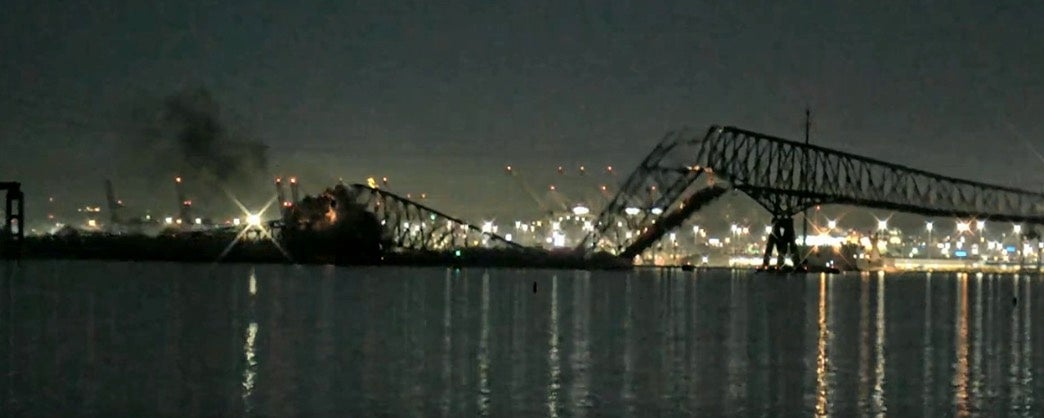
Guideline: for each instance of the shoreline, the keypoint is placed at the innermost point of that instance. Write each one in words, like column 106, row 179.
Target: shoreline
column 211, row 249
column 208, row 249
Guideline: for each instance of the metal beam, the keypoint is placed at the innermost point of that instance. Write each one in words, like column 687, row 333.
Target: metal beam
column 414, row 226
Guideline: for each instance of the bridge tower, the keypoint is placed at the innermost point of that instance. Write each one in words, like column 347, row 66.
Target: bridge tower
column 782, row 236
column 783, row 239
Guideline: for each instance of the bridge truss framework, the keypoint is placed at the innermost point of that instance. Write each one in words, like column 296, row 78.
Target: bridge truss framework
column 785, row 177
column 414, row 226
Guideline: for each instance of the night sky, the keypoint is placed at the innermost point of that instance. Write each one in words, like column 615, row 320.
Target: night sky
column 439, row 97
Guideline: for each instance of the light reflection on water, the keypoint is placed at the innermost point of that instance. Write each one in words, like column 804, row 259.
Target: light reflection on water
column 85, row 338
column 554, row 381
column 879, row 406
column 822, row 359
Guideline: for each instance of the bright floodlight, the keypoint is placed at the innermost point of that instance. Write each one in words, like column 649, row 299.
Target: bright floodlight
column 962, row 227
column 253, row 219
column 632, row 211
column 1016, row 228
column 980, row 225
column 928, row 226
column 882, row 224
column 581, row 210
column 831, row 223
column 656, row 211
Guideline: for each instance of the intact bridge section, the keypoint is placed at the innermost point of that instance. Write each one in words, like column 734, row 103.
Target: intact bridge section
column 686, row 171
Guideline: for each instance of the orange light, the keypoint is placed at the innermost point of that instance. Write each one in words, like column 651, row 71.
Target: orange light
column 293, row 179
column 278, row 180
column 177, row 179
column 552, row 187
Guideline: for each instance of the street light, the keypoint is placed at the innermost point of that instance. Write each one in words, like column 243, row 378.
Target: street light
column 1017, row 228
column 882, row 224
column 962, row 227
column 980, row 225
column 831, row 224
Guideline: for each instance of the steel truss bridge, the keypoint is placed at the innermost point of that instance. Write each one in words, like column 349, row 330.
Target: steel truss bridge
column 413, row 226
column 686, row 171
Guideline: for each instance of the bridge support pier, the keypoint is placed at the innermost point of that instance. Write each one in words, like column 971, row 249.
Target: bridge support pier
column 783, row 238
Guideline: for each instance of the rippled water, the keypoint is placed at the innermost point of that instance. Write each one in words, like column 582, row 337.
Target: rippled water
column 125, row 339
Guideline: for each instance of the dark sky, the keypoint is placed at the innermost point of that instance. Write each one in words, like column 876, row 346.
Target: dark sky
column 439, row 96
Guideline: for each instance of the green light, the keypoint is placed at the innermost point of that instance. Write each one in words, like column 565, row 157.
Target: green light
column 457, row 253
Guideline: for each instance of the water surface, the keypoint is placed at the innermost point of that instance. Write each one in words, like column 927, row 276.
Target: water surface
column 145, row 339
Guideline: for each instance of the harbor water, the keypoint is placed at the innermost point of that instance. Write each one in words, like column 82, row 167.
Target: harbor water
column 86, row 338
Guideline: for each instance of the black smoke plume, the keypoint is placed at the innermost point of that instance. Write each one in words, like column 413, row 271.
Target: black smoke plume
column 184, row 135
column 205, row 148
